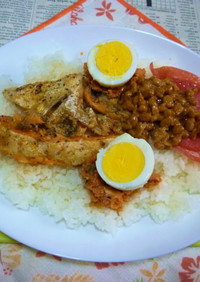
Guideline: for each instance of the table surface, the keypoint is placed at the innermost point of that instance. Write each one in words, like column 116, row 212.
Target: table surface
column 21, row 263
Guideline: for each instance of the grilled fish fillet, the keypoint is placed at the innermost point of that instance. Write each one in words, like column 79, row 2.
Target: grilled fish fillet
column 40, row 97
column 36, row 148
column 62, row 107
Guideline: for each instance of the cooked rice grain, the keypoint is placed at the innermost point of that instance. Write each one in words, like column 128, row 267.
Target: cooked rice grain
column 59, row 192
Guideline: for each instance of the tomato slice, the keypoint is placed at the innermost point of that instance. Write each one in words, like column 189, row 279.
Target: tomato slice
column 193, row 155
column 190, row 144
column 184, row 80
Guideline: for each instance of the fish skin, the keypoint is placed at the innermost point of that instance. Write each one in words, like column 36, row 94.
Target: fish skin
column 32, row 148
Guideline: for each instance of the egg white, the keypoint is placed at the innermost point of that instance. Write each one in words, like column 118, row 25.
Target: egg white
column 108, row 80
column 148, row 167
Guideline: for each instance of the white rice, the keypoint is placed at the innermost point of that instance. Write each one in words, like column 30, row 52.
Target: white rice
column 59, row 192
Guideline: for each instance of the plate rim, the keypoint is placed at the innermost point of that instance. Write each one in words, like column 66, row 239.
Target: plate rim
column 116, row 28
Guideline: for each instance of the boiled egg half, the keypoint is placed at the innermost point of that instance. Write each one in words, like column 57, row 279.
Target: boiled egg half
column 112, row 63
column 127, row 163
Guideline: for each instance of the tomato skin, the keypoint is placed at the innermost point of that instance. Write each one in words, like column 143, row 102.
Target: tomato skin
column 191, row 144
column 192, row 155
column 184, row 80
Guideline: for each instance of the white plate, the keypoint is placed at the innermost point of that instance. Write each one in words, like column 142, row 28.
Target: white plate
column 144, row 239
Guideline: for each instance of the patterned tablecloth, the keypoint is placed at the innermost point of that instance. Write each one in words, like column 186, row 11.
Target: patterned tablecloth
column 20, row 263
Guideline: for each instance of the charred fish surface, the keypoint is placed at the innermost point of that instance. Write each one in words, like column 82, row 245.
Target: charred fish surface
column 35, row 148
column 40, row 97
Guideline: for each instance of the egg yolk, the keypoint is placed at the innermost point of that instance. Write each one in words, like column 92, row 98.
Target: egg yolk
column 123, row 162
column 114, row 58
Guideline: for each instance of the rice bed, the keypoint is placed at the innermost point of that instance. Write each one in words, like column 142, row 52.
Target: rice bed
column 60, row 192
